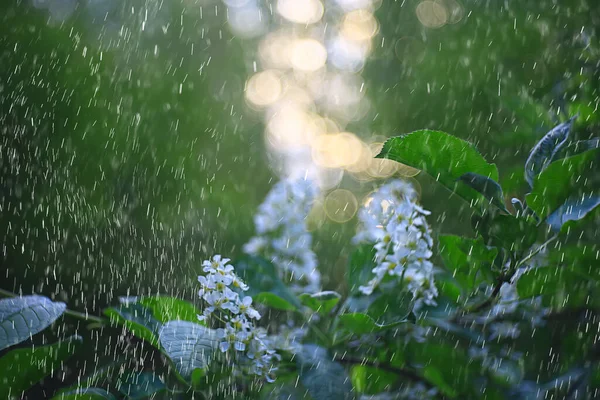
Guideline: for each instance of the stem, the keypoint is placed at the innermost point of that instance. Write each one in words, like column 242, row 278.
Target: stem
column 74, row 314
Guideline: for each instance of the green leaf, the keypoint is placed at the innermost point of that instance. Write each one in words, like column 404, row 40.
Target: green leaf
column 22, row 317
column 137, row 318
column 85, row 394
column 140, row 385
column 470, row 260
column 489, row 188
column 322, row 302
column 574, row 209
column 391, row 307
column 563, row 179
column 511, row 233
column 362, row 324
column 371, row 380
column 189, row 346
column 577, row 147
column 261, row 276
column 445, row 157
column 324, row 379
column 22, row 368
column 273, row 301
column 165, row 309
column 560, row 287
column 542, row 153
column 446, row 366
column 360, row 266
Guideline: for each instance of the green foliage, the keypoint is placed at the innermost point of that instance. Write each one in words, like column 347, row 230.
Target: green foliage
column 322, row 302
column 142, row 385
column 489, row 188
column 324, row 379
column 360, row 264
column 563, row 179
column 272, row 300
column 361, row 324
column 261, row 276
column 22, row 317
column 444, row 157
column 137, row 319
column 21, row 368
column 372, row 380
column 470, row 260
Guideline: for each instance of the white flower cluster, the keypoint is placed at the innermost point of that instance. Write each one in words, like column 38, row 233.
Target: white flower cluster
column 226, row 306
column 396, row 224
column 282, row 237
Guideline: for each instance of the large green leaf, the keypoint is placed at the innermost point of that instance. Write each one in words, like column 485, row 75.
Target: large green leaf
column 137, row 318
column 166, row 308
column 272, row 300
column 261, row 276
column 469, row 259
column 574, row 209
column 445, row 157
column 324, row 379
column 190, row 346
column 511, row 233
column 322, row 302
column 22, row 317
column 21, row 368
column 574, row 176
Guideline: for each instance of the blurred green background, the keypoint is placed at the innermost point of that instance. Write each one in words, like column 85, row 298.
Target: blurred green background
column 123, row 167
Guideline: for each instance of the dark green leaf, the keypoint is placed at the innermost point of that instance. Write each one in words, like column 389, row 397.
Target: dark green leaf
column 371, row 380
column 140, row 385
column 22, row 368
column 137, row 318
column 322, row 302
column 391, row 307
column 574, row 176
column 189, row 346
column 445, row 157
column 542, row 153
column 489, row 188
column 511, row 233
column 261, row 276
column 362, row 324
column 574, row 209
column 22, row 317
column 166, row 309
column 85, row 394
column 324, row 379
column 470, row 260
column 273, row 301
column 577, row 147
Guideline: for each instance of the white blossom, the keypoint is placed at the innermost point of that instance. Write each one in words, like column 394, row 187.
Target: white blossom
column 239, row 335
column 395, row 224
column 282, row 237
